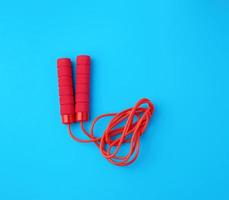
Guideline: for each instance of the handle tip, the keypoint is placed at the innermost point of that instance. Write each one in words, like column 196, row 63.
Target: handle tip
column 83, row 59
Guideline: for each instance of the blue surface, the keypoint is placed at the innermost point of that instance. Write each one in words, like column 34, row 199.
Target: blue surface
column 173, row 52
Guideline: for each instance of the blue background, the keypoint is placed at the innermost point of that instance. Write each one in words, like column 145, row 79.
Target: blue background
column 173, row 52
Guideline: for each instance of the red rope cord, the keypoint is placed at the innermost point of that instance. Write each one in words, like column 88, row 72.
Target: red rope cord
column 115, row 136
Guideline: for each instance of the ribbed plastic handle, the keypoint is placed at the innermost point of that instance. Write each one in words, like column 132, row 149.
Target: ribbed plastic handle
column 82, row 93
column 66, row 92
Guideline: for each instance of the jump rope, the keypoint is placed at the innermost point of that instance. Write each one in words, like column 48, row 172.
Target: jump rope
column 74, row 107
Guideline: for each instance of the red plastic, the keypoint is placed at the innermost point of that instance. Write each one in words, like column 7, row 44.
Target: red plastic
column 126, row 126
column 66, row 94
column 118, row 133
column 82, row 93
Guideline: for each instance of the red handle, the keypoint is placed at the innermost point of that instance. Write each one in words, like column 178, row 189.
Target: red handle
column 82, row 87
column 66, row 94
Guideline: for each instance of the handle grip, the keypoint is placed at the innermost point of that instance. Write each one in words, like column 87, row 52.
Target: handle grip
column 82, row 93
column 66, row 94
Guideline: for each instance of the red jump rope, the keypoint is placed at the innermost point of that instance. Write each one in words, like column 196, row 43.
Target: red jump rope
column 74, row 107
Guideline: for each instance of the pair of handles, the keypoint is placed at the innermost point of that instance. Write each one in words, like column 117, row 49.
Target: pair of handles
column 74, row 106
